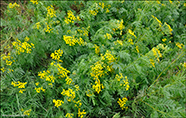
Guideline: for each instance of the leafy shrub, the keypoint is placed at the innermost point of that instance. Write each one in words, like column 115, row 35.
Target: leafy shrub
column 93, row 59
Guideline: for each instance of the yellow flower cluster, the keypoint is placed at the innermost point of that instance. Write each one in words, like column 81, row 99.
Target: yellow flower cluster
column 126, row 84
column 97, row 70
column 27, row 112
column 107, row 11
column 56, row 55
column 137, row 49
column 131, row 41
column 48, row 28
column 119, row 25
column 102, row 5
column 34, row 1
column 93, row 12
column 70, row 17
column 23, row 47
column 110, row 58
column 132, row 33
column 43, row 74
column 118, row 42
column 69, row 115
column 108, row 36
column 152, row 62
column 7, row 59
column 118, row 78
column 77, row 87
column 58, row 102
column 98, row 86
column 160, row 24
column 20, row 85
column 184, row 64
column 160, row 3
column 83, row 31
column 3, row 69
column 179, row 45
column 39, row 89
column 81, row 114
column 78, row 103
column 97, row 50
column 69, row 93
column 72, row 40
column 62, row 71
column 170, row 1
column 50, row 11
column 10, row 5
column 69, row 40
column 164, row 39
column 46, row 75
column 156, row 52
column 37, row 25
column 122, row 102
column 68, row 80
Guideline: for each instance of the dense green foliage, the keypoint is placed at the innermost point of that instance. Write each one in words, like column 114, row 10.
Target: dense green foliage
column 93, row 59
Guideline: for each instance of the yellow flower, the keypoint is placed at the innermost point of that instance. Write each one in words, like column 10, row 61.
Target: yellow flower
column 50, row 11
column 27, row 112
column 164, row 39
column 34, row 1
column 184, row 64
column 119, row 77
column 21, row 91
column 81, row 114
column 97, row 70
column 137, row 49
column 170, row 1
column 37, row 25
column 69, row 115
column 77, row 87
column 38, row 90
column 21, row 85
column 10, row 5
column 122, row 102
column 132, row 33
column 42, row 89
column 119, row 42
column 97, row 50
column 58, row 102
column 68, row 80
column 109, row 57
column 152, row 62
column 69, row 93
column 56, row 55
column 179, row 45
column 3, row 69
column 108, row 36
column 131, row 41
column 69, row 40
column 62, row 71
column 97, row 87
column 107, row 11
column 37, row 83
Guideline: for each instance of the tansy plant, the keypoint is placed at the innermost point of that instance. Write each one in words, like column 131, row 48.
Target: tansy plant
column 83, row 59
